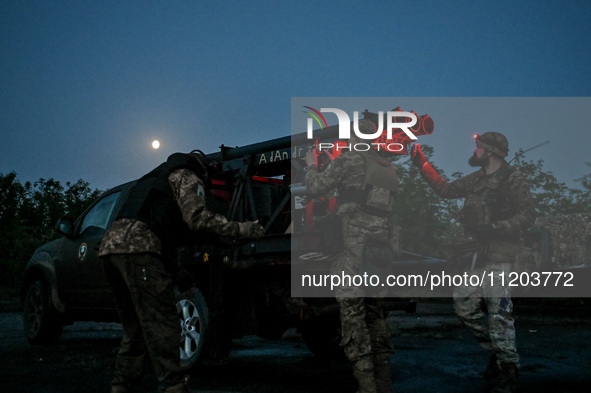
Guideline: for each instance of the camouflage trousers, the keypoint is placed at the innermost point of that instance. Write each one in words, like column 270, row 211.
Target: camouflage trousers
column 363, row 327
column 366, row 338
column 363, row 324
column 494, row 328
column 144, row 296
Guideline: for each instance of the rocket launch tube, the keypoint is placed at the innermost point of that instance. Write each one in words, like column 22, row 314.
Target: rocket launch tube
column 227, row 153
column 230, row 153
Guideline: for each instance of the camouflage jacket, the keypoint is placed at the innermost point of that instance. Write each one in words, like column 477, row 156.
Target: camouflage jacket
column 128, row 236
column 502, row 198
column 347, row 171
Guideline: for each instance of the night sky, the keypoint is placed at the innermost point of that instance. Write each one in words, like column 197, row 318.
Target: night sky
column 85, row 86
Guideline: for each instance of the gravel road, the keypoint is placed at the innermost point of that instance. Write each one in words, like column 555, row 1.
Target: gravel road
column 434, row 353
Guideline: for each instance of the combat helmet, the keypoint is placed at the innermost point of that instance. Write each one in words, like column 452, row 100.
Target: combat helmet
column 493, row 141
column 196, row 161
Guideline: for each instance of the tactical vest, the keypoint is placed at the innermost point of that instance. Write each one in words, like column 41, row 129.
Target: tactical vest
column 486, row 202
column 376, row 193
column 151, row 201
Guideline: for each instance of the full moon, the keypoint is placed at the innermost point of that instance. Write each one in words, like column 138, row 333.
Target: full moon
column 156, row 144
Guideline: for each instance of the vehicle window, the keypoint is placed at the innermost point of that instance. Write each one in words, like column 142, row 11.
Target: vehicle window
column 99, row 215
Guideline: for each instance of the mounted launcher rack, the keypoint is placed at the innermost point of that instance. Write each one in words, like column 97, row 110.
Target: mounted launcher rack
column 255, row 182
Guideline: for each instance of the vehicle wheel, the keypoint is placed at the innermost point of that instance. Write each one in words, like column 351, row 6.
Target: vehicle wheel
column 41, row 320
column 194, row 316
column 322, row 336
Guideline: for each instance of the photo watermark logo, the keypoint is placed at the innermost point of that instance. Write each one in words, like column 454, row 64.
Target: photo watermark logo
column 380, row 138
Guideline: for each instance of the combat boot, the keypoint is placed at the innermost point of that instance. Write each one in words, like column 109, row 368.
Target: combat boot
column 363, row 371
column 122, row 389
column 383, row 378
column 181, row 387
column 492, row 370
column 509, row 377
column 122, row 384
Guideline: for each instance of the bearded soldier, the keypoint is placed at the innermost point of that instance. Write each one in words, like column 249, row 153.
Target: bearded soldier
column 497, row 208
column 159, row 212
column 366, row 183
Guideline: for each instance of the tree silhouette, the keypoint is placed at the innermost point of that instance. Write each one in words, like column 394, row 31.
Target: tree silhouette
column 28, row 215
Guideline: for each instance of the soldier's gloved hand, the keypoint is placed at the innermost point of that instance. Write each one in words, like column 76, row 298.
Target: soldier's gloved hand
column 484, row 231
column 250, row 229
column 416, row 155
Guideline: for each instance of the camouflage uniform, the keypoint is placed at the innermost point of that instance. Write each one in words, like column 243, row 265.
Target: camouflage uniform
column 366, row 338
column 500, row 201
column 143, row 287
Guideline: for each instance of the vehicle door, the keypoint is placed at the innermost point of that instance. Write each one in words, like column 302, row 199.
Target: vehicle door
column 80, row 272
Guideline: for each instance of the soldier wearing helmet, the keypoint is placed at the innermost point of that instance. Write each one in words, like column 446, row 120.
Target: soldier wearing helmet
column 366, row 183
column 497, row 208
column 160, row 210
column 493, row 142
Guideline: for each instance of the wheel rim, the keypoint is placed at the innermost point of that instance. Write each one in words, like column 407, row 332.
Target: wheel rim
column 34, row 310
column 190, row 328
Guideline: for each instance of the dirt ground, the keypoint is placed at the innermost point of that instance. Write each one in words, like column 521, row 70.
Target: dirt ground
column 434, row 353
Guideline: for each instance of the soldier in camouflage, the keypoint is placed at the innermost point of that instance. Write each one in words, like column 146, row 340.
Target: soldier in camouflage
column 366, row 184
column 159, row 212
column 497, row 208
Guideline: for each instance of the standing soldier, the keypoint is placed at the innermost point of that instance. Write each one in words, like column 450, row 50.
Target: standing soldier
column 366, row 184
column 159, row 212
column 497, row 208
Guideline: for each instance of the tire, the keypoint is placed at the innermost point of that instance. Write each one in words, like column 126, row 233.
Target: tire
column 42, row 322
column 194, row 318
column 322, row 336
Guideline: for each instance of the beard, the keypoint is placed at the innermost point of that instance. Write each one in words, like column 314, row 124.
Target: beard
column 481, row 162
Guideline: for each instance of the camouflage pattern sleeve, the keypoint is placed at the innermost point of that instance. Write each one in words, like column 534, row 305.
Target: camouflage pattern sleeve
column 457, row 188
column 518, row 195
column 129, row 236
column 347, row 165
column 189, row 193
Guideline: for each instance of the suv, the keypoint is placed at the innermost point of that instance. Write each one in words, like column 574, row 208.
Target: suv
column 241, row 287
column 245, row 283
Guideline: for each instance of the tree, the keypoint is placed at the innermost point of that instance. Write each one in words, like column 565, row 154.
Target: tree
column 44, row 206
column 428, row 222
column 77, row 197
column 12, row 232
column 28, row 215
column 426, row 219
column 581, row 197
column 551, row 197
column 11, row 197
